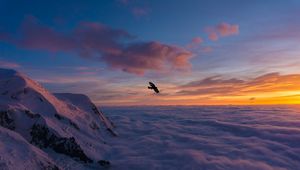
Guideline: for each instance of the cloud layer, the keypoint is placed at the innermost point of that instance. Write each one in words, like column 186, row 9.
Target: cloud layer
column 218, row 138
column 117, row 48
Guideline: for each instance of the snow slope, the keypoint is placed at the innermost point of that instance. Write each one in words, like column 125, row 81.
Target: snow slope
column 17, row 153
column 66, row 124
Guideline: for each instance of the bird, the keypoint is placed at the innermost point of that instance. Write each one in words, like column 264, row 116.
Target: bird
column 153, row 87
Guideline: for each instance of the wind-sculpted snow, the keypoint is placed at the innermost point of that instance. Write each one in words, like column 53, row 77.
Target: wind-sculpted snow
column 217, row 138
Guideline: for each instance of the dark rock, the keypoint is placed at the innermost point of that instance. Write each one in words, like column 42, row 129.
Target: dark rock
column 14, row 97
column 43, row 138
column 57, row 116
column 95, row 109
column 39, row 134
column 113, row 125
column 94, row 126
column 32, row 115
column 25, row 90
column 41, row 99
column 69, row 147
column 6, row 120
column 111, row 132
column 74, row 125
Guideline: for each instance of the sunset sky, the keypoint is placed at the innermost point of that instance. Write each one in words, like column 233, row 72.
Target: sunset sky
column 198, row 52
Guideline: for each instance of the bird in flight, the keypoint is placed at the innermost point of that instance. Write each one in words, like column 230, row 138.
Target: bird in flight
column 153, row 87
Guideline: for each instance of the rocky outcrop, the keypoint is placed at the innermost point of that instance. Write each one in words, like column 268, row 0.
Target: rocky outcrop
column 6, row 120
column 44, row 138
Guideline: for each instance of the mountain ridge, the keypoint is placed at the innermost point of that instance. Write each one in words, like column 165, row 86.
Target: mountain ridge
column 64, row 123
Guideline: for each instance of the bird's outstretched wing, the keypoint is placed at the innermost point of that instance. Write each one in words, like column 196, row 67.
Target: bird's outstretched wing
column 152, row 86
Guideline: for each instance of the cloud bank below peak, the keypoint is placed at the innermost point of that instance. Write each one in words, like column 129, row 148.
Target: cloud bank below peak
column 117, row 48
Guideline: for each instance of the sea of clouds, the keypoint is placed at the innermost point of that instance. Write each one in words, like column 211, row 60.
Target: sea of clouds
column 260, row 137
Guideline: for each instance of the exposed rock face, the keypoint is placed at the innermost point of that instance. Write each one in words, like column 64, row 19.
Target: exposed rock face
column 32, row 115
column 59, row 117
column 6, row 120
column 43, row 138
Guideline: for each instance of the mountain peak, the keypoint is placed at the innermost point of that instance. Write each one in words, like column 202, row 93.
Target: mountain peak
column 15, row 85
column 6, row 73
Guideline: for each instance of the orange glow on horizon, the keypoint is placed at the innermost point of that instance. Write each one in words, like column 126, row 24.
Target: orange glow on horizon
column 269, row 89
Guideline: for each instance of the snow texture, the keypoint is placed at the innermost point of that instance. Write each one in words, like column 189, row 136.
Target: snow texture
column 17, row 153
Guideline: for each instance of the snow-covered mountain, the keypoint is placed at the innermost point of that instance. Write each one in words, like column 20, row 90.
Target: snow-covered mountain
column 42, row 130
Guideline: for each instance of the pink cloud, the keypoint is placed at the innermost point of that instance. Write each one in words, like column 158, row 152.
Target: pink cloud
column 226, row 29
column 95, row 41
column 139, row 57
column 213, row 36
column 197, row 40
column 222, row 30
column 207, row 49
